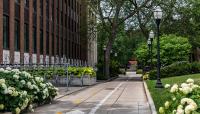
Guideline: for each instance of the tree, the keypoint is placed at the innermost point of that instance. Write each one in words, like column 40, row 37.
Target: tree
column 112, row 14
column 173, row 49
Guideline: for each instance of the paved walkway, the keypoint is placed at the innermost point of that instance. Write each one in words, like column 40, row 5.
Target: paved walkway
column 124, row 95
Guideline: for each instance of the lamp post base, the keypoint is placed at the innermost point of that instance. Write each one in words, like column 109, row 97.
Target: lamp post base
column 159, row 85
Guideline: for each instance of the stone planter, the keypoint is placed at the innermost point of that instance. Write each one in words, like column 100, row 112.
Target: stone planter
column 81, row 81
column 59, row 80
column 76, row 81
column 88, row 80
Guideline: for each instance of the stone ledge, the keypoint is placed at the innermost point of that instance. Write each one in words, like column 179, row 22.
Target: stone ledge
column 150, row 100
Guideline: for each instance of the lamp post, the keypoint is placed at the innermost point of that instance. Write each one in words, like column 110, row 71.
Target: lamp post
column 158, row 15
column 115, row 54
column 149, row 49
column 151, row 36
column 104, row 62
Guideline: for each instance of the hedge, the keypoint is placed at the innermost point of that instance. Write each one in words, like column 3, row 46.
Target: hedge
column 176, row 69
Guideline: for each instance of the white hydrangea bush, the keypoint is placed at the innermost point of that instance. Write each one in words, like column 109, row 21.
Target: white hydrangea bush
column 185, row 99
column 19, row 90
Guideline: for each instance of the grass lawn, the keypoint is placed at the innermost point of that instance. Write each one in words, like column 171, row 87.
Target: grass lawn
column 161, row 95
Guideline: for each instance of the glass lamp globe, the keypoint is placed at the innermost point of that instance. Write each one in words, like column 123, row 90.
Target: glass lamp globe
column 151, row 34
column 158, row 13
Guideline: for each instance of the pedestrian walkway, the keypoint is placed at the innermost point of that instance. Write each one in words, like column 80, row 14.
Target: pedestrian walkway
column 124, row 95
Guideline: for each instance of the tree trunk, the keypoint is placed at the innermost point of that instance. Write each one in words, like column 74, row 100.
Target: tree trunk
column 107, row 54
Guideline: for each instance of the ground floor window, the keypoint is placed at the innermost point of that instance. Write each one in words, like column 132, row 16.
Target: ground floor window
column 17, row 37
column 26, row 38
column 5, row 32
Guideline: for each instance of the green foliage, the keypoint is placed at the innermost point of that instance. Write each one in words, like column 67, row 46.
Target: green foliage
column 172, row 49
column 19, row 90
column 114, row 68
column 177, row 69
column 80, row 71
column 139, row 71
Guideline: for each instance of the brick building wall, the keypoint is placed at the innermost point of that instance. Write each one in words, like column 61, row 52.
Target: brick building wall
column 43, row 31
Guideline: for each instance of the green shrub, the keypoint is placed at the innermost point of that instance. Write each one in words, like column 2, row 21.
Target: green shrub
column 172, row 49
column 176, row 69
column 139, row 71
column 79, row 71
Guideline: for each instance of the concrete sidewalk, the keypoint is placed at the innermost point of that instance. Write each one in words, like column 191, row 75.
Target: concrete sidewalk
column 125, row 95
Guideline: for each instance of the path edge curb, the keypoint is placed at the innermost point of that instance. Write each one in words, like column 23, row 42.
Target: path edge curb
column 149, row 98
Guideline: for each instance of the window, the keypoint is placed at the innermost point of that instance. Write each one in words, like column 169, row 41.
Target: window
column 26, row 38
column 17, row 39
column 34, row 40
column 47, row 9
column 57, row 41
column 5, row 32
column 41, row 7
column 53, row 44
column 52, row 11
column 47, row 43
column 17, row 1
column 41, row 42
column 61, row 46
column 26, row 3
column 6, row 6
column 34, row 6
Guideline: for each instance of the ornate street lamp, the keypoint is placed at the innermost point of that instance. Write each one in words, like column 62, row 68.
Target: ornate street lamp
column 104, row 62
column 151, row 36
column 158, row 16
column 115, row 54
column 149, row 53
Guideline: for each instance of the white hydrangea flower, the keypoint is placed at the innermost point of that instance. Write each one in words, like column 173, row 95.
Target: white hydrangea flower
column 174, row 88
column 190, row 80
column 184, row 85
column 167, row 86
column 174, row 112
column 5, row 91
column 37, row 79
column 26, row 74
column 1, row 70
column 23, row 82
column 186, row 90
column 4, row 86
column 2, row 81
column 6, row 71
column 42, row 85
column 195, row 86
column 11, row 90
column 16, row 71
column 180, row 111
column 16, row 77
column 8, row 68
column 167, row 104
column 188, row 101
column 24, row 93
column 161, row 110
column 17, row 110
column 180, row 107
column 174, row 98
column 189, row 109
column 30, row 107
column 30, row 86
column 15, row 93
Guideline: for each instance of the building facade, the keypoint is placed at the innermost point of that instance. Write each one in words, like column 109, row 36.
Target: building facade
column 43, row 31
